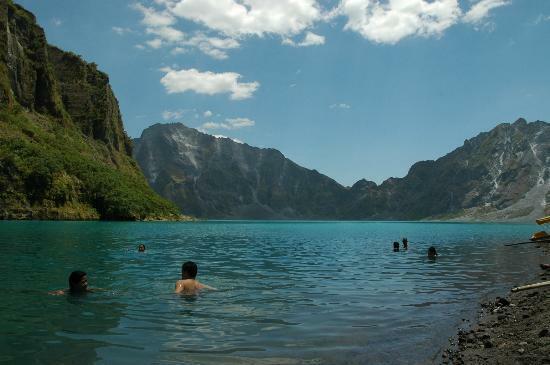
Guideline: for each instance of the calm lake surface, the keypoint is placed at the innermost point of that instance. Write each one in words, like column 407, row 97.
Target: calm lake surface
column 289, row 292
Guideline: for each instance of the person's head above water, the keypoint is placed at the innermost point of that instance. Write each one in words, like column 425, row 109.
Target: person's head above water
column 141, row 248
column 189, row 270
column 78, row 281
column 432, row 252
column 396, row 246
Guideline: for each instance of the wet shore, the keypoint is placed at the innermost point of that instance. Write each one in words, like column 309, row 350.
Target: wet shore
column 510, row 330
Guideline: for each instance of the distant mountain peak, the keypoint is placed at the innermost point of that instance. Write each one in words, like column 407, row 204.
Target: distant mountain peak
column 500, row 174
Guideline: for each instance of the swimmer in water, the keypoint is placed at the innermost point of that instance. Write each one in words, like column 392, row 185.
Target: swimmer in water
column 396, row 246
column 78, row 284
column 432, row 253
column 405, row 243
column 188, row 284
column 141, row 248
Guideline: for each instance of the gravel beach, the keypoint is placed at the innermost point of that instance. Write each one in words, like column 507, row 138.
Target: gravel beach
column 511, row 330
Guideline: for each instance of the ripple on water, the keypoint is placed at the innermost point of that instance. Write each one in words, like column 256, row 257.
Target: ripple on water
column 289, row 292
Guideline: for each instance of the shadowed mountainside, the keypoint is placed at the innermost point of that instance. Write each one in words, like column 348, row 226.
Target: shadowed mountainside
column 218, row 178
column 498, row 175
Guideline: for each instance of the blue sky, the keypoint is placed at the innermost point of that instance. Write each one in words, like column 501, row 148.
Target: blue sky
column 352, row 88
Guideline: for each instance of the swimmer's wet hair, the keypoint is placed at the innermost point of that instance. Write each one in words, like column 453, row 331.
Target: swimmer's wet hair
column 189, row 268
column 75, row 277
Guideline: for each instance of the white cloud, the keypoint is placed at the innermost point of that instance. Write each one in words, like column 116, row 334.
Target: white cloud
column 207, row 114
column 140, row 46
column 396, row 19
column 310, row 39
column 167, row 34
column 178, row 50
column 155, row 43
column 227, row 23
column 160, row 25
column 230, row 123
column 172, row 114
column 541, row 18
column 237, row 123
column 212, row 46
column 340, row 106
column 209, row 83
column 249, row 17
column 154, row 18
column 57, row 22
column 480, row 10
column 121, row 30
column 212, row 125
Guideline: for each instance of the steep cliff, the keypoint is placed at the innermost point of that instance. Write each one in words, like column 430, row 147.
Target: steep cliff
column 27, row 76
column 499, row 175
column 218, row 178
column 63, row 150
column 89, row 99
column 503, row 174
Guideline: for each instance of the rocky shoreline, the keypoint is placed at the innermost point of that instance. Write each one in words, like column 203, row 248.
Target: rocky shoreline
column 511, row 330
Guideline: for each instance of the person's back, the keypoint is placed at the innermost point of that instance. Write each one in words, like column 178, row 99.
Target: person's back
column 188, row 284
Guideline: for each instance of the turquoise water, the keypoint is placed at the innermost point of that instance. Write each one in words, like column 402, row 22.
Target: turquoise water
column 289, row 292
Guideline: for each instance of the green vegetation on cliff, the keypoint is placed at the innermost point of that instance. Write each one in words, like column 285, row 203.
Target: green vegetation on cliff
column 52, row 172
column 63, row 150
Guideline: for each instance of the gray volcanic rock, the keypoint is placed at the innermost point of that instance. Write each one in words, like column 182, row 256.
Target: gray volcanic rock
column 499, row 175
column 219, row 178
column 503, row 174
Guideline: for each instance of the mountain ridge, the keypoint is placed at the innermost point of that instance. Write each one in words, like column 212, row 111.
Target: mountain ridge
column 454, row 186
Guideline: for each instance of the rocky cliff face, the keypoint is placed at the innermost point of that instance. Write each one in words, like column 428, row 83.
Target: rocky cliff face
column 89, row 99
column 218, row 178
column 63, row 150
column 27, row 74
column 503, row 174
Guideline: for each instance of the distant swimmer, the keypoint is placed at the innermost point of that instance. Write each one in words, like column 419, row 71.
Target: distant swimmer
column 141, row 248
column 78, row 284
column 405, row 243
column 188, row 284
column 432, row 253
column 396, row 246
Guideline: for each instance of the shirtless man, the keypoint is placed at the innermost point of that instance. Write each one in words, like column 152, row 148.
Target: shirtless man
column 78, row 284
column 188, row 284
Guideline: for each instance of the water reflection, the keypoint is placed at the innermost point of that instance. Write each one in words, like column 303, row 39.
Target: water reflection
column 37, row 327
column 290, row 293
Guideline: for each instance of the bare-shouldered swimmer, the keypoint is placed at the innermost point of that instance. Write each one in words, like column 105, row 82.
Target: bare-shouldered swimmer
column 78, row 284
column 188, row 284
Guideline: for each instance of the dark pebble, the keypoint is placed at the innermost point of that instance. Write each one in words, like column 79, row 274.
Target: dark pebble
column 525, row 316
column 502, row 302
column 544, row 333
column 501, row 317
column 487, row 344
